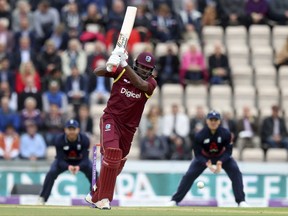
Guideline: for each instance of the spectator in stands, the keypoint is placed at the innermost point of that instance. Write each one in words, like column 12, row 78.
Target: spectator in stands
column 166, row 25
column 191, row 19
column 210, row 12
column 32, row 143
column 5, row 11
column 31, row 113
column 60, row 37
column 25, row 53
column 9, row 143
column 6, row 36
column 154, row 119
column 228, row 122
column 54, row 121
column 168, row 67
column 232, row 12
column 219, row 69
column 5, row 91
column 115, row 16
column 3, row 52
column 73, row 57
column 176, row 130
column 142, row 23
column 273, row 130
column 99, row 53
column 8, row 116
column 47, row 20
column 193, row 67
column 247, row 127
column 6, row 74
column 26, row 70
column 99, row 87
column 85, row 120
column 49, row 59
column 30, row 90
column 278, row 11
column 93, row 16
column 22, row 12
column 197, row 122
column 281, row 56
column 153, row 146
column 71, row 17
column 76, row 88
column 54, row 96
column 256, row 11
column 25, row 30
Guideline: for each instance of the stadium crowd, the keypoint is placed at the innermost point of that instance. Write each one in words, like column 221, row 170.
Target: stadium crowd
column 48, row 50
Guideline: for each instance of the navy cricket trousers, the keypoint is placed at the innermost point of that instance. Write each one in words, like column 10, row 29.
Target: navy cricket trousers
column 196, row 168
column 53, row 173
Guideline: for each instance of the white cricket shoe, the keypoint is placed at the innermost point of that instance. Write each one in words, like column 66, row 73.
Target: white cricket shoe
column 88, row 199
column 171, row 203
column 243, row 204
column 103, row 204
column 40, row 201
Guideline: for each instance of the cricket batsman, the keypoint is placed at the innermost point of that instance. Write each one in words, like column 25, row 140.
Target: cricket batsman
column 131, row 89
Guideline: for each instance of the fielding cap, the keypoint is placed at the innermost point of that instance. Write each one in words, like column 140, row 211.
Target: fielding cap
column 72, row 123
column 213, row 115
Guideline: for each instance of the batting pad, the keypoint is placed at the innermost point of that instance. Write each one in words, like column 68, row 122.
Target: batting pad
column 122, row 163
column 109, row 171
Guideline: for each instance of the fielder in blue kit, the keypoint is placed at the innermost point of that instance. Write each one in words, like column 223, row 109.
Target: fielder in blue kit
column 72, row 154
column 213, row 146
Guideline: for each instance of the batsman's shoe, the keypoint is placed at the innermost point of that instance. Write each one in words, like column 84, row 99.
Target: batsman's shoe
column 103, row 204
column 171, row 203
column 88, row 199
column 243, row 204
column 40, row 201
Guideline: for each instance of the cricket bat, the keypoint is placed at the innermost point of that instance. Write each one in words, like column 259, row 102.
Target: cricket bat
column 125, row 32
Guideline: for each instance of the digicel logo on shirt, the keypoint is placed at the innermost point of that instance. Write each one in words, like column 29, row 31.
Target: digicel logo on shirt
column 130, row 93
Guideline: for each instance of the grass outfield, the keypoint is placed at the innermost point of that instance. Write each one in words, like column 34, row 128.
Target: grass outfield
column 21, row 210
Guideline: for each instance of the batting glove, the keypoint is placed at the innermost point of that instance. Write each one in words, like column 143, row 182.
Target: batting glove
column 113, row 62
column 120, row 51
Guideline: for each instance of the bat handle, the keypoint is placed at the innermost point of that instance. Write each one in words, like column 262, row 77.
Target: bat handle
column 111, row 68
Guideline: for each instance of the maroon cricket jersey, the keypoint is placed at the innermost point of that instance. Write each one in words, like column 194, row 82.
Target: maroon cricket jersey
column 126, row 102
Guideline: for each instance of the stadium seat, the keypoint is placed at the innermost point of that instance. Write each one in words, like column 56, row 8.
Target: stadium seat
column 244, row 96
column 282, row 76
column 279, row 36
column 236, row 35
column 253, row 154
column 262, row 56
column 284, row 98
column 50, row 153
column 265, row 76
column 196, row 95
column 220, row 97
column 267, row 97
column 236, row 153
column 161, row 49
column 276, row 155
column 140, row 47
column 172, row 93
column 259, row 36
column 242, row 75
column 238, row 55
column 212, row 34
